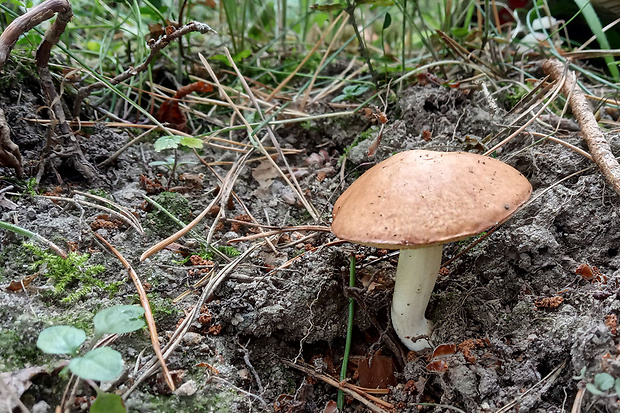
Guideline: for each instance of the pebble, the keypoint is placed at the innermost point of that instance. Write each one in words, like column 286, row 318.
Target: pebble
column 187, row 389
column 192, row 339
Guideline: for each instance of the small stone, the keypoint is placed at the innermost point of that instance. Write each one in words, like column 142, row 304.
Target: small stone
column 41, row 407
column 244, row 374
column 187, row 389
column 192, row 339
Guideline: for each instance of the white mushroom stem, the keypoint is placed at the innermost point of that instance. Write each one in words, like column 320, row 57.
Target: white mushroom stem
column 415, row 278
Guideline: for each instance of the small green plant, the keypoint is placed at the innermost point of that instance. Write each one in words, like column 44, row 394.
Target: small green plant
column 351, row 92
column 100, row 364
column 66, row 272
column 170, row 163
column 603, row 382
column 174, row 141
column 31, row 187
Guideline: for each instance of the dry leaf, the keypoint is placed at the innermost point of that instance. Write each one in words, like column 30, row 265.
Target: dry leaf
column 264, row 174
column 444, row 350
column 19, row 285
column 170, row 112
column 376, row 372
column 437, row 366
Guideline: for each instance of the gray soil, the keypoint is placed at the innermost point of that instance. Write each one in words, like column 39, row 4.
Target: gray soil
column 529, row 357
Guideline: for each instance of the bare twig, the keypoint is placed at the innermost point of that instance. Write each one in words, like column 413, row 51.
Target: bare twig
column 227, row 186
column 148, row 315
column 27, row 21
column 9, row 151
column 345, row 387
column 8, row 38
column 155, row 46
column 598, row 145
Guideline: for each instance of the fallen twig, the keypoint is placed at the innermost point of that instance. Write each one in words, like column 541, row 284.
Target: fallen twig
column 148, row 315
column 155, row 46
column 600, row 149
column 345, row 387
column 44, row 11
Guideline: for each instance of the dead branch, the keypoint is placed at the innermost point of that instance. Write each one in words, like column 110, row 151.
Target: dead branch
column 156, row 46
column 8, row 38
column 32, row 18
column 598, row 145
column 9, row 151
column 352, row 391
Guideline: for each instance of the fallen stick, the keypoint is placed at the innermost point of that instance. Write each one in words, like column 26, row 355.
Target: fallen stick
column 598, row 145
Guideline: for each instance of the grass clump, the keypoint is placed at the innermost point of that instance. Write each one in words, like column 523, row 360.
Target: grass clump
column 67, row 273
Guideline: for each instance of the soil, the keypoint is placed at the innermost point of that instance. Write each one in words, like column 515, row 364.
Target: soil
column 528, row 332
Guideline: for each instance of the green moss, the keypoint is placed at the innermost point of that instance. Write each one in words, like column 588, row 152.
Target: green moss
column 161, row 307
column 17, row 351
column 70, row 272
column 200, row 402
column 175, row 204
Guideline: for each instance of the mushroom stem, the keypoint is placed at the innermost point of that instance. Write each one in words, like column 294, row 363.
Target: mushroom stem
column 415, row 278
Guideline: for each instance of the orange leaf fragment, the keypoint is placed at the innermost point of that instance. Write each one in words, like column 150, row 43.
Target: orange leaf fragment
column 437, row 366
column 444, row 350
column 376, row 372
column 170, row 112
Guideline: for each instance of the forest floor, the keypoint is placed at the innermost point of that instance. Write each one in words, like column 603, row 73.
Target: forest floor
column 524, row 328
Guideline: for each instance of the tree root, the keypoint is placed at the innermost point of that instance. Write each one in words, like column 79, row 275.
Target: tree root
column 598, row 145
column 8, row 38
column 9, row 151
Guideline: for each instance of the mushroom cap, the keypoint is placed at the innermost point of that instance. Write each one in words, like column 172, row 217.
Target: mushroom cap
column 419, row 198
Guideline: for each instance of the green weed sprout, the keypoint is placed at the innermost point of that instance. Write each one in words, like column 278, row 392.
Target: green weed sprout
column 602, row 383
column 100, row 364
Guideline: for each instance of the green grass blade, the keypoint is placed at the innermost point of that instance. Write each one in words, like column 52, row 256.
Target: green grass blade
column 597, row 29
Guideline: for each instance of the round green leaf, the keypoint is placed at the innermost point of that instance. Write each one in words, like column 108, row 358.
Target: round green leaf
column 102, row 364
column 604, row 381
column 119, row 319
column 167, row 142
column 60, row 339
column 191, row 142
column 108, row 403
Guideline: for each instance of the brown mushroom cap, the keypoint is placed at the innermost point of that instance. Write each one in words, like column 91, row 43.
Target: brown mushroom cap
column 420, row 198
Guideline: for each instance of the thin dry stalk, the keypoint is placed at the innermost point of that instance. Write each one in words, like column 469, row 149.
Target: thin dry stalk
column 295, row 185
column 362, row 397
column 118, row 153
column 223, row 194
column 554, row 92
column 155, row 47
column 296, row 188
column 544, row 383
column 148, row 314
column 338, row 83
column 121, row 214
column 305, row 59
column 320, row 66
column 578, row 401
column 207, row 294
column 281, row 231
column 564, row 143
column 598, row 145
column 237, row 198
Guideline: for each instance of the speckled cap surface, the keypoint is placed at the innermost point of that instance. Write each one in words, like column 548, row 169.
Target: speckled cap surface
column 419, row 198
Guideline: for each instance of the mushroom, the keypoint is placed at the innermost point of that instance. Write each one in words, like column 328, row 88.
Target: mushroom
column 416, row 201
